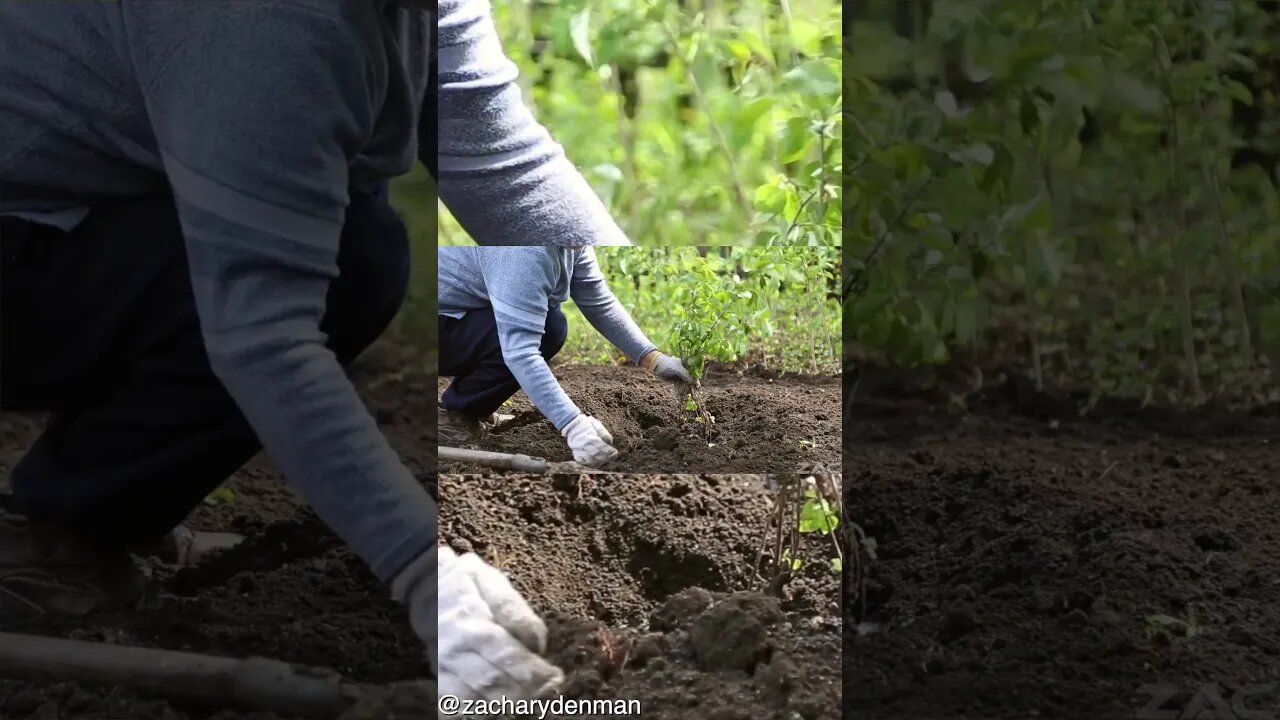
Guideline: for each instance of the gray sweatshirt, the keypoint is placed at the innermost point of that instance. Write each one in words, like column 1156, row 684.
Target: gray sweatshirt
column 501, row 175
column 259, row 116
column 521, row 285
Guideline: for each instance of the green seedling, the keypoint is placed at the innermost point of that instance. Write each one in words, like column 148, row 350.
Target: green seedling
column 793, row 563
column 802, row 507
column 818, row 514
column 220, row 496
column 1167, row 628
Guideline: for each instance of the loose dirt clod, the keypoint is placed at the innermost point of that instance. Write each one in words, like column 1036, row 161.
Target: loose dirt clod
column 778, row 678
column 680, row 609
column 733, row 634
column 400, row 701
column 628, row 569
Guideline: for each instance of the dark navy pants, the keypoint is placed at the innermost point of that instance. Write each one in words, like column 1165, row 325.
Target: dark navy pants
column 100, row 330
column 471, row 355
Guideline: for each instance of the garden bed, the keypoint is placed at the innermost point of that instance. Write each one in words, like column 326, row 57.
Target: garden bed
column 1032, row 563
column 661, row 563
column 657, row 568
column 762, row 423
column 291, row 592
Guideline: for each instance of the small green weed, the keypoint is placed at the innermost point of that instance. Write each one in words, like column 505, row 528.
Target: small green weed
column 1167, row 628
column 220, row 496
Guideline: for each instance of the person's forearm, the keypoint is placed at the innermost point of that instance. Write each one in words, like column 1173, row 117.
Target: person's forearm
column 261, row 328
column 544, row 391
column 500, row 173
column 314, row 426
column 590, row 292
column 616, row 325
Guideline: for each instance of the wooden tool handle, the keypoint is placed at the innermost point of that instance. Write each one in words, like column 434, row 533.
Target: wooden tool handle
column 503, row 461
column 251, row 684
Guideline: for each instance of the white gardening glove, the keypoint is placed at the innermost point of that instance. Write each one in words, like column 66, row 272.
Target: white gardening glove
column 591, row 443
column 485, row 642
column 666, row 367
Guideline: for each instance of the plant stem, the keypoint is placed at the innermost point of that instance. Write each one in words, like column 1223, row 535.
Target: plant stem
column 627, row 131
column 1191, row 367
column 1234, row 290
column 739, row 186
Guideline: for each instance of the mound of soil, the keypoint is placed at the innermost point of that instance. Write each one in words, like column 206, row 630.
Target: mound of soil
column 1034, row 563
column 762, row 424
column 644, row 584
column 291, row 592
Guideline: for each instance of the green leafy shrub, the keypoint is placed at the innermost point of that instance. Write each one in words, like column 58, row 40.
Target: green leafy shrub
column 715, row 124
column 1072, row 180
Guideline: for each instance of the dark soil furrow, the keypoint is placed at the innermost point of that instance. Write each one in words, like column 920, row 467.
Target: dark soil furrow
column 762, row 424
column 645, row 584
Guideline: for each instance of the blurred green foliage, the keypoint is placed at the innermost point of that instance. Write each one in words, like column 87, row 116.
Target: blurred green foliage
column 699, row 122
column 774, row 307
column 1087, row 185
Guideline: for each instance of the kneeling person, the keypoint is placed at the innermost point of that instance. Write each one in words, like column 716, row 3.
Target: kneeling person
column 500, row 322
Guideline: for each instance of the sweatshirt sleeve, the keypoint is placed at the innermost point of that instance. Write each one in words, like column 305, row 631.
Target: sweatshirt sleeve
column 590, row 292
column 500, row 173
column 256, row 146
column 520, row 282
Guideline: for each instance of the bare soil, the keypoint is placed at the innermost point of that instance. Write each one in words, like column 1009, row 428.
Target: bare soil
column 1026, row 553
column 763, row 423
column 645, row 583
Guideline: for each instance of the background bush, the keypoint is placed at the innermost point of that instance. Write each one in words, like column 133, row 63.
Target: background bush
column 774, row 307
column 699, row 122
column 1087, row 187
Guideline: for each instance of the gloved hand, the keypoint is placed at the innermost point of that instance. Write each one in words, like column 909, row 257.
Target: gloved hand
column 667, row 368
column 485, row 642
column 591, row 443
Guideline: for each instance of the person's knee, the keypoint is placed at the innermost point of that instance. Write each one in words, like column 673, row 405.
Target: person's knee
column 555, row 333
column 373, row 280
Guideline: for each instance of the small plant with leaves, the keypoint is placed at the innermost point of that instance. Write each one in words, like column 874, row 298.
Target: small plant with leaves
column 783, row 313
column 803, row 507
column 220, row 496
column 709, row 307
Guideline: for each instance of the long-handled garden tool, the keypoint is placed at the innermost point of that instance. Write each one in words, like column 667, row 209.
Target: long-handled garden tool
column 252, row 684
column 501, row 461
column 510, row 461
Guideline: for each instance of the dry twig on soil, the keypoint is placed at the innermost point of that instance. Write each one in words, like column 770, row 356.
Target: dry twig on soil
column 615, row 651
